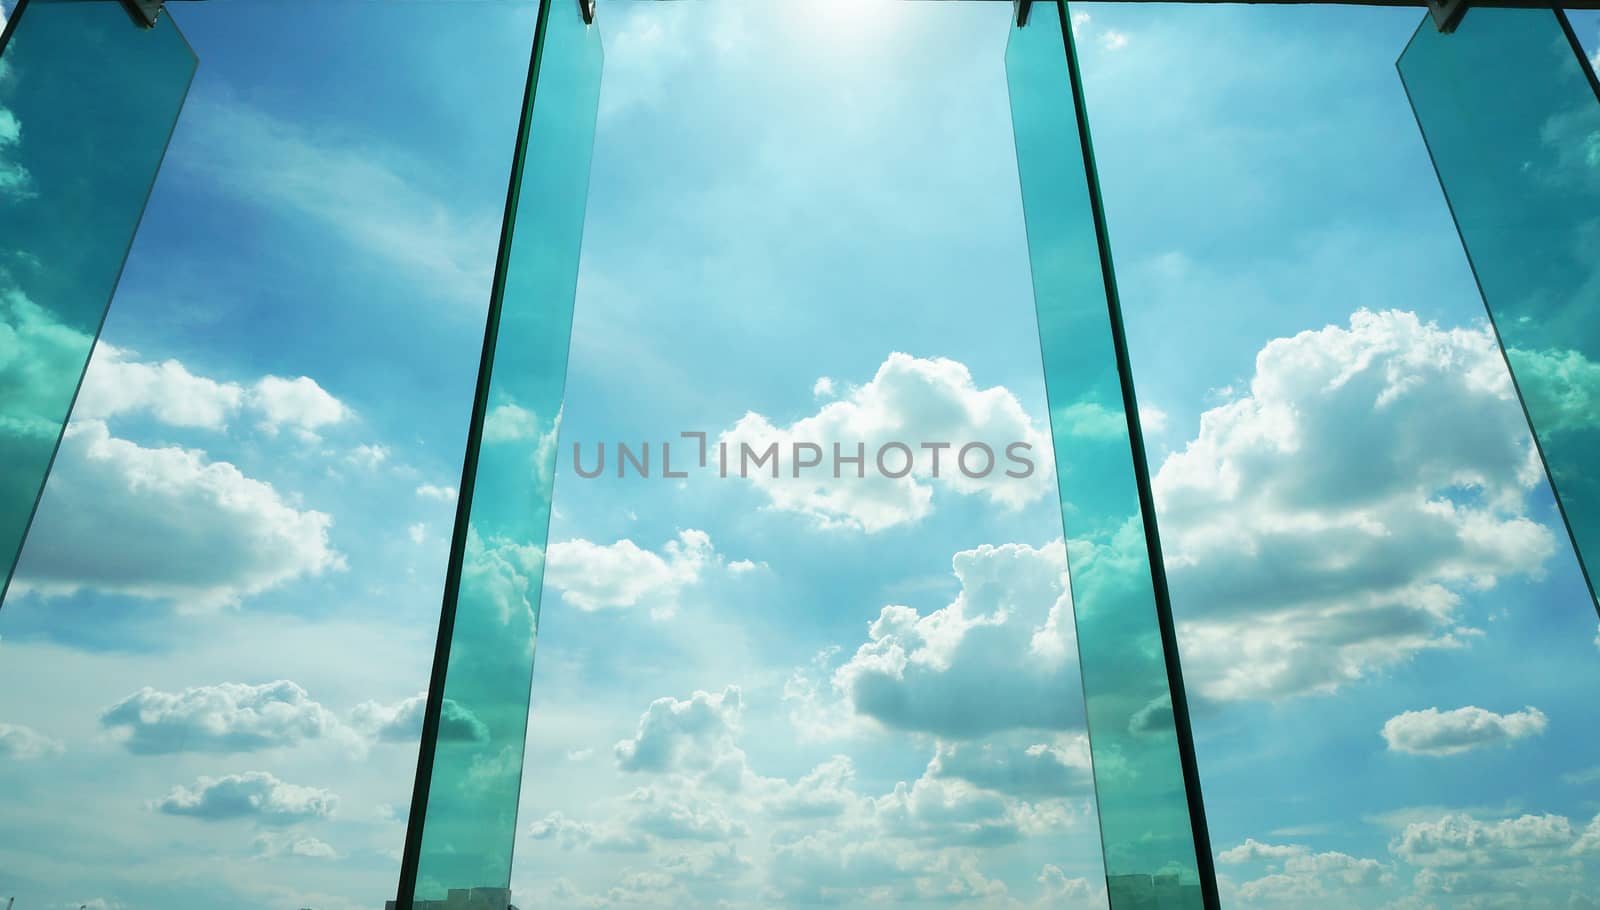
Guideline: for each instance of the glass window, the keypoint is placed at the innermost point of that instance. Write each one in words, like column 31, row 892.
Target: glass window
column 1385, row 637
column 822, row 677
column 1147, row 830
column 213, row 657
column 1518, row 162
column 87, row 105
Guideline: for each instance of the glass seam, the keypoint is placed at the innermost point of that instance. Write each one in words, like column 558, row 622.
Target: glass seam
column 1204, row 863
column 1477, row 281
column 410, row 860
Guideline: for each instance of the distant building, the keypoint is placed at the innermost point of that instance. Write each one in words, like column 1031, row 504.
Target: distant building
column 1153, row 892
column 465, row 899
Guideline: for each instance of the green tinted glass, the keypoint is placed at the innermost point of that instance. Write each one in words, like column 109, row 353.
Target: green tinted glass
column 1510, row 114
column 87, row 103
column 1149, row 837
column 490, row 623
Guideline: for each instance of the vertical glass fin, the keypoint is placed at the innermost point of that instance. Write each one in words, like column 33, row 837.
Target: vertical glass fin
column 1151, row 823
column 464, row 812
column 1511, row 116
column 88, row 101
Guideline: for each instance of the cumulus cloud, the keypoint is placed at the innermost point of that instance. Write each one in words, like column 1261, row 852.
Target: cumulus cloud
column 253, row 794
column 1298, row 876
column 1000, row 656
column 19, row 742
column 505, row 573
column 620, row 575
column 1499, row 861
column 438, row 493
column 296, row 404
column 117, row 385
column 676, row 735
column 166, row 523
column 401, row 722
column 910, row 400
column 671, row 818
column 830, row 840
column 571, row 834
column 15, row 180
column 1435, row 732
column 231, row 717
column 508, row 422
column 272, row 845
column 1031, row 770
column 40, row 360
column 1561, row 387
column 1324, row 526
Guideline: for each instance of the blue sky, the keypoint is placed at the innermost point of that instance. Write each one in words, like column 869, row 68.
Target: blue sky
column 813, row 192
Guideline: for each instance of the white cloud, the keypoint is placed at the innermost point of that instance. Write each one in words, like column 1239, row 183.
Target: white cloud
column 1152, row 419
column 508, row 422
column 1562, row 387
column 1113, row 40
column 571, row 834
column 1253, row 850
column 1324, row 526
column 166, row 523
column 442, row 494
column 418, row 532
column 19, row 742
column 913, row 401
column 822, row 388
column 114, row 386
column 692, row 734
column 40, row 360
column 1460, row 841
column 15, row 181
column 1030, row 770
column 401, row 722
column 253, row 794
column 272, row 845
column 369, row 455
column 670, row 818
column 595, row 576
column 230, row 717
column 1298, row 876
column 1000, row 656
column 1435, row 732
column 296, row 404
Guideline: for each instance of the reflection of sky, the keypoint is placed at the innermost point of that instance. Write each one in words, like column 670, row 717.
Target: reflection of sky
column 760, row 217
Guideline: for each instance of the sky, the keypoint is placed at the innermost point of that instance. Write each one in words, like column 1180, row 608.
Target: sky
column 804, row 223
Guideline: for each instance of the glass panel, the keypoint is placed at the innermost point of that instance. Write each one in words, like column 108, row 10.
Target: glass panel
column 1149, row 837
column 87, row 104
column 211, row 687
column 473, row 736
column 838, row 688
column 1511, row 116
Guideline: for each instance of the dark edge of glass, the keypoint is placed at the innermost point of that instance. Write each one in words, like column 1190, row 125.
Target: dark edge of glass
column 1455, row 222
column 1205, row 867
column 1577, row 48
column 405, row 895
column 11, row 22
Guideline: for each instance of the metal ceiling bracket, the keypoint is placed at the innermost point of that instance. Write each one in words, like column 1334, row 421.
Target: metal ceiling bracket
column 1447, row 13
column 145, row 13
column 1023, row 7
column 586, row 7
